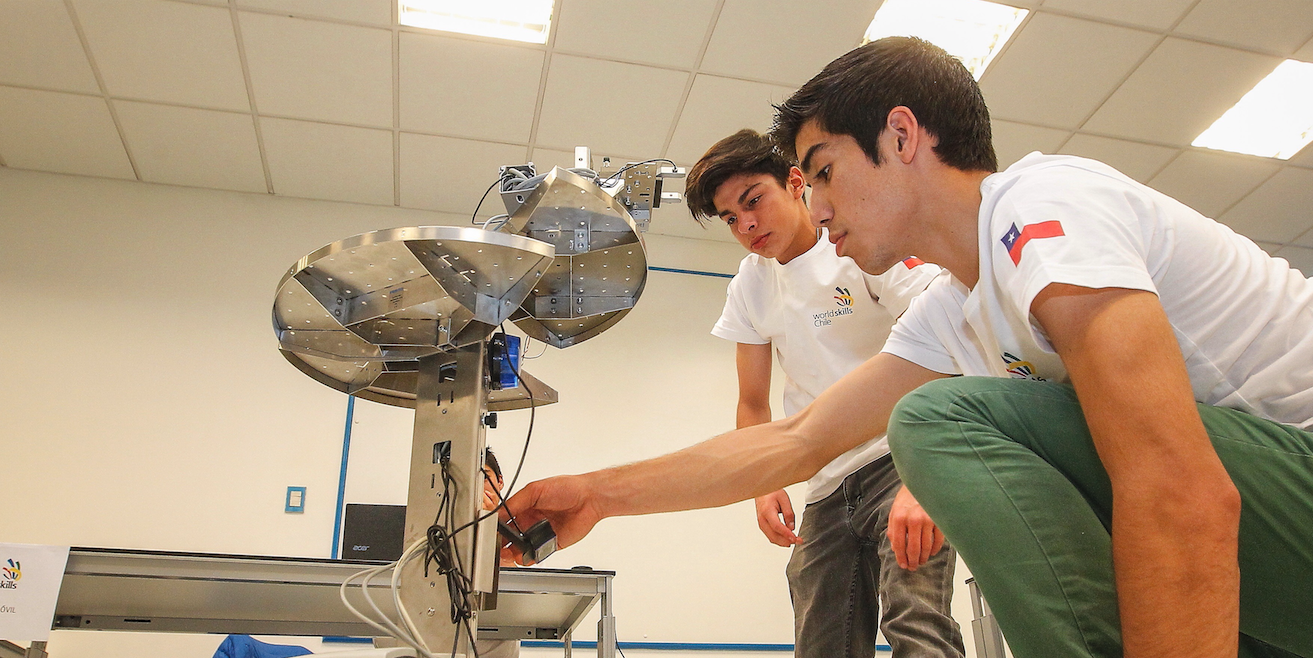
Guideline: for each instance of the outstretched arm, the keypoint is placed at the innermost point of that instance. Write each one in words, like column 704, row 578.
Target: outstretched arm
column 1176, row 512
column 734, row 466
column 774, row 510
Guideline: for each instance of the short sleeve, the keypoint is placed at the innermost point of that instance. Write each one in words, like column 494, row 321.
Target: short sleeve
column 923, row 333
column 735, row 323
column 896, row 288
column 1072, row 226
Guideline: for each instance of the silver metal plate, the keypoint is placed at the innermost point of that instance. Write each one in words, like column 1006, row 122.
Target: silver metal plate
column 600, row 266
column 356, row 315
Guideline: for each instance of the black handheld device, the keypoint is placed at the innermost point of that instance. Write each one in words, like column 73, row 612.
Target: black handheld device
column 535, row 544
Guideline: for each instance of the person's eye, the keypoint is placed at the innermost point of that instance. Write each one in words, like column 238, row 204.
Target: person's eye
column 729, row 221
column 823, row 174
column 753, row 202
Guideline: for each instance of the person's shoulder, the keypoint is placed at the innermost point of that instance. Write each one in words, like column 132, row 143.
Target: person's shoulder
column 753, row 272
column 1056, row 175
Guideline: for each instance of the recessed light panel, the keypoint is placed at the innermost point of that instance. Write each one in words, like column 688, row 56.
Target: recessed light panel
column 1273, row 120
column 970, row 30
column 517, row 20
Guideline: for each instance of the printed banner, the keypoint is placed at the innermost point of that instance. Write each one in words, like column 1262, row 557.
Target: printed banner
column 30, row 577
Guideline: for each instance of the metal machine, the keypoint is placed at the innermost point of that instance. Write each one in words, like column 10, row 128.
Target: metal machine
column 404, row 317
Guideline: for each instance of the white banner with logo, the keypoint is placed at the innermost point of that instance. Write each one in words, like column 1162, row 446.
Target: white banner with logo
column 30, row 577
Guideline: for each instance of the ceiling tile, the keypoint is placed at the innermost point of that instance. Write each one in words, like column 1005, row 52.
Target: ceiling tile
column 321, row 161
column 1014, row 140
column 373, row 12
column 441, row 173
column 1158, row 14
column 165, row 51
column 718, row 107
column 586, row 103
column 185, row 146
column 322, row 71
column 1302, row 159
column 445, row 87
column 667, row 33
column 1278, row 211
column 40, row 48
column 1305, row 53
column 1179, row 91
column 773, row 40
column 1058, row 70
column 1270, row 25
column 1135, row 159
column 1270, row 248
column 1300, row 258
column 50, row 131
column 1211, row 182
column 544, row 159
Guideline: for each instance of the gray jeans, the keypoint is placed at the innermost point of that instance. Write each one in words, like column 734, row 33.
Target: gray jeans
column 845, row 569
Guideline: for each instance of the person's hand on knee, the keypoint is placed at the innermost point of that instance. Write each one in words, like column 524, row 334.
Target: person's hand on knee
column 913, row 536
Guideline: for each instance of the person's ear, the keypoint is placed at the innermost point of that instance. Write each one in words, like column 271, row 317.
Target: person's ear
column 796, row 183
column 903, row 129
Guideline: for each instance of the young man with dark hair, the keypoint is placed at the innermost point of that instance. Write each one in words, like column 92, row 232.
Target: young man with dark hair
column 1129, row 472
column 821, row 316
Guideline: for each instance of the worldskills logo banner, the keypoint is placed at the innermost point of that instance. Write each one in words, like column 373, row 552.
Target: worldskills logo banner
column 30, row 578
column 844, row 298
column 11, row 574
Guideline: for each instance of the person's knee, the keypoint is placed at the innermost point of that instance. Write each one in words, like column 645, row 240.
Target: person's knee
column 923, row 408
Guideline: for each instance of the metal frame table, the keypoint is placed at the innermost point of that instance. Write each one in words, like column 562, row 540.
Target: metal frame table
column 127, row 590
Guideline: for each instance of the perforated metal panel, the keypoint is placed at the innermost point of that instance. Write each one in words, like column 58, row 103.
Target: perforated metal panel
column 600, row 266
column 357, row 314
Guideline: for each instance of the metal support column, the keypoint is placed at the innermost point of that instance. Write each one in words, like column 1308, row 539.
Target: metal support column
column 448, row 427
column 606, row 640
column 989, row 638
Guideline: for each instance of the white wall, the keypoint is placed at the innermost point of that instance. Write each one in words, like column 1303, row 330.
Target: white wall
column 146, row 404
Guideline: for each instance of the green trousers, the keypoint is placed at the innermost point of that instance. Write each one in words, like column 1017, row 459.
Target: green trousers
column 1008, row 471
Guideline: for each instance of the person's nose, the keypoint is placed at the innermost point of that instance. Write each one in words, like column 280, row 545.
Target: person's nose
column 820, row 209
column 746, row 224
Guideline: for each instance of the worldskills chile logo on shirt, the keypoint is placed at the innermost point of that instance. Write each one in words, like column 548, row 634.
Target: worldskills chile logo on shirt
column 11, row 574
column 844, row 300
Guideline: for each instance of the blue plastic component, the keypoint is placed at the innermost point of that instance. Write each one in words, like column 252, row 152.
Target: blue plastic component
column 510, row 363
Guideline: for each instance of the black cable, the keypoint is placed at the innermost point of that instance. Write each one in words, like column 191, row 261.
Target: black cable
column 440, row 550
column 474, row 216
column 630, row 166
column 533, row 407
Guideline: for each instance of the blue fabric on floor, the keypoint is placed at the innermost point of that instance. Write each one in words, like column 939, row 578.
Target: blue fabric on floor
column 245, row 646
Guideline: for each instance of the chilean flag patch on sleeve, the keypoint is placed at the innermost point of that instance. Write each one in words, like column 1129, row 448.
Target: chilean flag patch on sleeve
column 912, row 261
column 1015, row 240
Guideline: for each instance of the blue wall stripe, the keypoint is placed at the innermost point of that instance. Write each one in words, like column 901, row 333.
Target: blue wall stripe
column 341, row 477
column 693, row 272
column 676, row 646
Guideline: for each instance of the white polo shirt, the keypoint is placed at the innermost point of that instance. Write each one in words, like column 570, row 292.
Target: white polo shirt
column 1243, row 319
column 823, row 316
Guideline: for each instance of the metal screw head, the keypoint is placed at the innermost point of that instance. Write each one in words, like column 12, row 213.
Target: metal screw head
column 430, row 612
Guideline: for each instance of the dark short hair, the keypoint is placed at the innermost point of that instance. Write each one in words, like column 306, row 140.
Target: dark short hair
column 745, row 152
column 853, row 96
column 490, row 460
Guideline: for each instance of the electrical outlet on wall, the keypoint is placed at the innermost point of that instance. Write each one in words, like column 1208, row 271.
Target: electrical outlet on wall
column 295, row 501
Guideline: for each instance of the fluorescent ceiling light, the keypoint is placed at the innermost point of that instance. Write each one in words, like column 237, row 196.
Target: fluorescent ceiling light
column 1273, row 120
column 518, row 20
column 970, row 30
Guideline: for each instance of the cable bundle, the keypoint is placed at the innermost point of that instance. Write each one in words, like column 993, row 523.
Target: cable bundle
column 440, row 553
